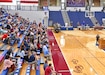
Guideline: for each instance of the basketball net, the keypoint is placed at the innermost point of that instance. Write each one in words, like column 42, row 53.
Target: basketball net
column 89, row 14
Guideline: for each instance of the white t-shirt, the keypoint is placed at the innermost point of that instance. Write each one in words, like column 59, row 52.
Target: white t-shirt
column 21, row 54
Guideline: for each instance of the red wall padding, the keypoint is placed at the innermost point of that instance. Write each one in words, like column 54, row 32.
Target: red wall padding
column 5, row 0
column 29, row 1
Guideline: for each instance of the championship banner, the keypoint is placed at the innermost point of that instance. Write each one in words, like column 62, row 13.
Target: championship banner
column 75, row 3
column 5, row 0
column 29, row 1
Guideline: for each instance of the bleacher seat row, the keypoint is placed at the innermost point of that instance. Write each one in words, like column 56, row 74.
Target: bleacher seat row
column 2, row 56
column 20, row 42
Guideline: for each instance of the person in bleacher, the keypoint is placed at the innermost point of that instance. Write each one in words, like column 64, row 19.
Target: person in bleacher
column 32, row 46
column 9, row 26
column 22, row 29
column 35, row 44
column 38, row 43
column 26, row 55
column 45, row 64
column 32, row 59
column 13, row 36
column 26, row 42
column 5, row 38
column 8, row 64
column 9, row 51
column 21, row 53
column 46, row 51
column 49, row 69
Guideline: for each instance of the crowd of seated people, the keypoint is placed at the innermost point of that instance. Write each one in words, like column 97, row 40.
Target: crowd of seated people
column 36, row 39
column 13, row 25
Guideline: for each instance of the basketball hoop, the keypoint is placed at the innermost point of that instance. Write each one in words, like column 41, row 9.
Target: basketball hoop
column 89, row 14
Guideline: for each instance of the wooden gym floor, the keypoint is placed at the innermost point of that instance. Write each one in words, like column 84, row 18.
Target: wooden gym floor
column 81, row 54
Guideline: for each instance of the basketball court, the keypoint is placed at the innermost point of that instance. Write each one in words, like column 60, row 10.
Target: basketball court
column 82, row 55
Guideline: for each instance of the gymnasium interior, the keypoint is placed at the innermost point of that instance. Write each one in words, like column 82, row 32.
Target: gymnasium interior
column 52, row 37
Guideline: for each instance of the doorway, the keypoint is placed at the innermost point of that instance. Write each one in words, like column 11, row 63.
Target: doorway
column 96, row 3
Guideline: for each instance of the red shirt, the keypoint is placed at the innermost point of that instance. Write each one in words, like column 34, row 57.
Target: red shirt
column 12, row 30
column 38, row 45
column 4, row 36
column 48, row 71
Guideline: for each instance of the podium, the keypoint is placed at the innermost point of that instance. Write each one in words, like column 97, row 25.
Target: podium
column 102, row 43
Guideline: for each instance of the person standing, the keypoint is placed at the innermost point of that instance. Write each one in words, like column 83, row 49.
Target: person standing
column 97, row 38
column 83, row 26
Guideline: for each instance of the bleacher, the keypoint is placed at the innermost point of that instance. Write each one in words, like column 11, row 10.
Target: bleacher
column 38, row 67
column 17, row 70
column 2, row 56
column 28, row 70
column 4, row 72
column 79, row 17
column 73, row 17
column 86, row 19
column 23, row 33
column 99, row 16
column 21, row 40
column 56, row 17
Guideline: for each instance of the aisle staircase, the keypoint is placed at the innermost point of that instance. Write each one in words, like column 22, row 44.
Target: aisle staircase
column 65, row 17
column 94, row 20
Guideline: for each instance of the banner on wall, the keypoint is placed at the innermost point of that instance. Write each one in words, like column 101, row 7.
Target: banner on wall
column 75, row 3
column 5, row 0
column 29, row 1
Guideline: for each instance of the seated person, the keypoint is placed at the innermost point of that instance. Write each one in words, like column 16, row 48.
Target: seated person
column 12, row 36
column 45, row 65
column 4, row 36
column 26, row 55
column 21, row 53
column 10, row 53
column 32, row 59
column 8, row 64
column 3, row 31
column 46, row 51
column 49, row 70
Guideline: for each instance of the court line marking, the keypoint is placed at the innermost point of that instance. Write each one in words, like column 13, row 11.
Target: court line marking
column 85, row 48
column 90, row 53
column 90, row 65
column 63, row 55
column 63, row 70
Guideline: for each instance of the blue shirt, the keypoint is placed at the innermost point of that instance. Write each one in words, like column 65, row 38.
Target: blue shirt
column 45, row 65
column 45, row 50
column 31, row 59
